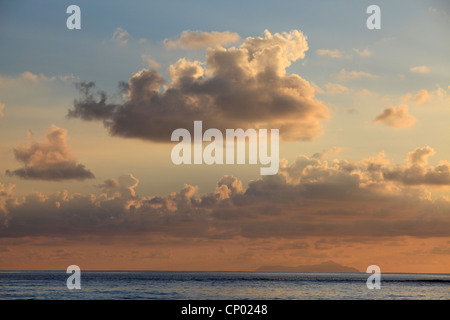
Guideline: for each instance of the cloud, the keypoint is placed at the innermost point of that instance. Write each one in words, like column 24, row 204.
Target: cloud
column 427, row 96
column 149, row 61
column 363, row 53
column 316, row 88
column 245, row 87
column 325, row 153
column 416, row 172
column 396, row 117
column 422, row 96
column 420, row 69
column 29, row 78
column 120, row 37
column 227, row 187
column 125, row 185
column 39, row 88
column 51, row 159
column 5, row 198
column 89, row 108
column 420, row 156
column 335, row 88
column 308, row 197
column 109, row 184
column 201, row 39
column 331, row 53
column 2, row 106
column 350, row 75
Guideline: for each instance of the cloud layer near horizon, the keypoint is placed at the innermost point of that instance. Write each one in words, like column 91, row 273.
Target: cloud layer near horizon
column 245, row 87
column 308, row 197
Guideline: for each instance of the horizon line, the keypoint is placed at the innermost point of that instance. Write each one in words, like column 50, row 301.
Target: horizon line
column 253, row 271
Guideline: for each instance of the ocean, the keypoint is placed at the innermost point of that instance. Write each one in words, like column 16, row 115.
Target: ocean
column 165, row 285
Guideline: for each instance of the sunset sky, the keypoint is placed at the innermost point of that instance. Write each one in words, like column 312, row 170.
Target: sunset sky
column 86, row 117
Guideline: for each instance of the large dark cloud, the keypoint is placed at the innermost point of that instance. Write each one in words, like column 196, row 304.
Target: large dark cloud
column 90, row 108
column 51, row 159
column 245, row 87
column 308, row 197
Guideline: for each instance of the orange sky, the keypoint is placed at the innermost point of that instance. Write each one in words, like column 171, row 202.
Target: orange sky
column 86, row 175
column 403, row 254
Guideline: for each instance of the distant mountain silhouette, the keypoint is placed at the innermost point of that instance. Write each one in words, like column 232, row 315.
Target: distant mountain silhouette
column 328, row 266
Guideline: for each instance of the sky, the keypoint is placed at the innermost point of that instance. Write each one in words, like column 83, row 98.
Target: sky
column 86, row 117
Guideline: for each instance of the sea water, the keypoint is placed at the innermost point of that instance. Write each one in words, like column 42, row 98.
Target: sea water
column 174, row 285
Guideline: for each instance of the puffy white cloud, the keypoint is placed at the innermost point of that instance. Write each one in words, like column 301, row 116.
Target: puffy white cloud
column 331, row 53
column 201, row 39
column 335, row 88
column 351, row 75
column 120, row 36
column 5, row 198
column 363, row 53
column 422, row 96
column 427, row 96
column 245, row 87
column 420, row 156
column 416, row 172
column 27, row 78
column 396, row 117
column 51, row 159
column 420, row 69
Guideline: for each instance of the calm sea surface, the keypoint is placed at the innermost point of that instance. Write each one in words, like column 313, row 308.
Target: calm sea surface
column 220, row 285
